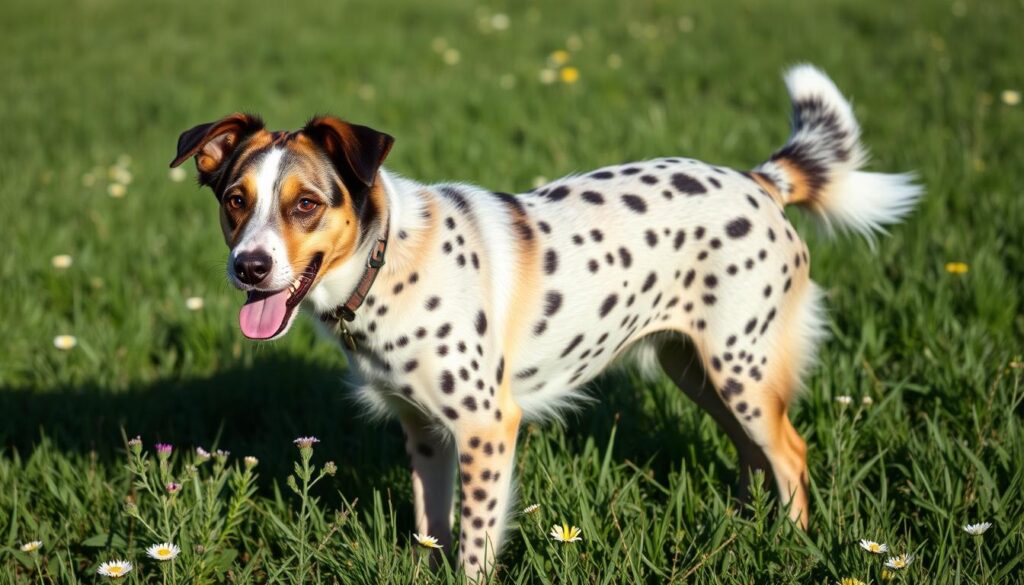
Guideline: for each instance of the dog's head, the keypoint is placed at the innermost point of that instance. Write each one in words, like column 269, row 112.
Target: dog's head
column 293, row 205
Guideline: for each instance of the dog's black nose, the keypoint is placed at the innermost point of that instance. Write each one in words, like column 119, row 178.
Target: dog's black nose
column 252, row 267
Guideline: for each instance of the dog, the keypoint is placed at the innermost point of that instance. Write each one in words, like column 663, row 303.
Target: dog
column 466, row 311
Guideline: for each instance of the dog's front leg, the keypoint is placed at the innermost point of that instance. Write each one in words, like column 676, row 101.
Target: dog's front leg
column 486, row 454
column 433, row 477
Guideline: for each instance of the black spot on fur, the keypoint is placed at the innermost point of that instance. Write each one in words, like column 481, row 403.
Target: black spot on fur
column 625, row 257
column 447, row 382
column 602, row 175
column 550, row 261
column 481, row 323
column 651, row 237
column 686, row 184
column 731, row 388
column 690, row 275
column 552, row 303
column 738, row 227
column 649, row 282
column 593, row 197
column 572, row 345
column 558, row 193
column 607, row 305
column 635, row 203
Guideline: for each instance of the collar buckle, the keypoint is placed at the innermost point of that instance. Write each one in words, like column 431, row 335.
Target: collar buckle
column 376, row 258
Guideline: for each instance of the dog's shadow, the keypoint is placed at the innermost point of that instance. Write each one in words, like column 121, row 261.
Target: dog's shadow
column 259, row 410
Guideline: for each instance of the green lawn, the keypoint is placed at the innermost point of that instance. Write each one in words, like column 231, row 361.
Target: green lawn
column 91, row 84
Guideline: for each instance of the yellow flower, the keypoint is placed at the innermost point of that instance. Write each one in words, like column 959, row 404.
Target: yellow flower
column 115, row 569
column 426, row 541
column 566, row 533
column 116, row 190
column 1010, row 97
column 851, row 581
column 31, row 546
column 957, row 267
column 451, row 56
column 570, row 74
column 559, row 57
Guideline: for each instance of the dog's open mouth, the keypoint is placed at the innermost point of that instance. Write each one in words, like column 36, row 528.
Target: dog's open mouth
column 267, row 313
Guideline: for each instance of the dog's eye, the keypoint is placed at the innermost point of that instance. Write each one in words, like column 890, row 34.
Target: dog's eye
column 306, row 205
column 236, row 202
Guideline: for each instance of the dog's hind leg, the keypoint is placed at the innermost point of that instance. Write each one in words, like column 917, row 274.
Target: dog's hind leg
column 683, row 365
column 754, row 354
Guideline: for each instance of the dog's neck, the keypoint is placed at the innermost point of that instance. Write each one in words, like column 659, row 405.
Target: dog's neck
column 399, row 216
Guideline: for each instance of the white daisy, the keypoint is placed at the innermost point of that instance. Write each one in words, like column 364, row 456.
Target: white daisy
column 977, row 529
column 31, row 546
column 165, row 551
column 500, row 21
column 62, row 261
column 874, row 547
column 899, row 562
column 844, row 400
column 115, row 569
column 65, row 342
column 426, row 541
column 566, row 533
column 194, row 303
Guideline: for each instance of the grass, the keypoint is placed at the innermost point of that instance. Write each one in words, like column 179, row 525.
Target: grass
column 644, row 473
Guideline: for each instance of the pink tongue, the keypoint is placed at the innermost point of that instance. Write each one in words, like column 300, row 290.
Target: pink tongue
column 262, row 317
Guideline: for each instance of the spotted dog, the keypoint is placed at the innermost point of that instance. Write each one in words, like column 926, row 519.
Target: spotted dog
column 467, row 311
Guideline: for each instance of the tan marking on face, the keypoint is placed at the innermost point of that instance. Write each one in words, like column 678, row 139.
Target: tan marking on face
column 331, row 231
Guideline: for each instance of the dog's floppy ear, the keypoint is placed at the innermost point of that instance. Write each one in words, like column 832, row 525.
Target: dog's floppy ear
column 356, row 151
column 213, row 143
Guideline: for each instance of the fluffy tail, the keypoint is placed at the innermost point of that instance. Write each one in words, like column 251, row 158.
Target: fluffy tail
column 818, row 167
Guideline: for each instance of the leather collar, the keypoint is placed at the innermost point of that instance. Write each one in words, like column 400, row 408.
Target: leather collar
column 347, row 310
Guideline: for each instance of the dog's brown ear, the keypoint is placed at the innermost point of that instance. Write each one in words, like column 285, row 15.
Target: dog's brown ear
column 214, row 142
column 357, row 151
